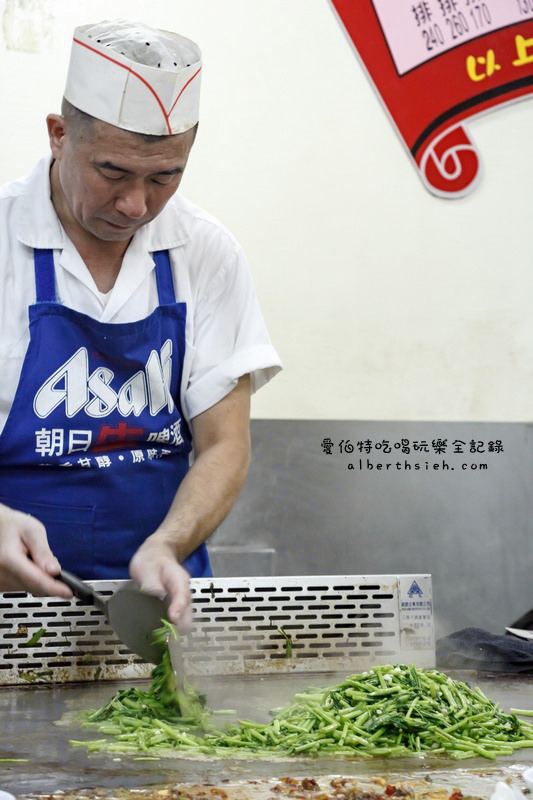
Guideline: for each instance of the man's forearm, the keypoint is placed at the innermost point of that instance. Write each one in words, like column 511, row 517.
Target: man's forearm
column 222, row 454
column 205, row 497
column 216, row 477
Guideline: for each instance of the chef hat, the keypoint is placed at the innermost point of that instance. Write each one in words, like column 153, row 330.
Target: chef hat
column 135, row 77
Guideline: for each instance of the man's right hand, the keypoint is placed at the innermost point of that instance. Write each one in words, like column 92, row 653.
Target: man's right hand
column 26, row 562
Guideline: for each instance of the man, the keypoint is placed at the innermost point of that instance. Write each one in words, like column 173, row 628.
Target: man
column 142, row 340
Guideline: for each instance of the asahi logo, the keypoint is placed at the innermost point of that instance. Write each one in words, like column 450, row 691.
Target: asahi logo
column 73, row 386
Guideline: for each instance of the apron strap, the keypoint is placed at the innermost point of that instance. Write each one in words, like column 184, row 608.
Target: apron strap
column 163, row 274
column 45, row 285
column 43, row 260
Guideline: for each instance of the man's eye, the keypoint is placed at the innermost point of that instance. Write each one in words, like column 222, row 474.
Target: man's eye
column 164, row 180
column 111, row 175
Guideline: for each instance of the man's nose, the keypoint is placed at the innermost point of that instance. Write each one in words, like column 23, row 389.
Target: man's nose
column 132, row 202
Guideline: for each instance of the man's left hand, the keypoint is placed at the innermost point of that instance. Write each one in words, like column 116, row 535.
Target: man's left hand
column 155, row 569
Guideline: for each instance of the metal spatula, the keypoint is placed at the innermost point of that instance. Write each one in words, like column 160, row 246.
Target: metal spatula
column 133, row 615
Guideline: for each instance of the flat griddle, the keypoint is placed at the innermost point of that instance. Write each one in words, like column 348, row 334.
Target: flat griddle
column 36, row 724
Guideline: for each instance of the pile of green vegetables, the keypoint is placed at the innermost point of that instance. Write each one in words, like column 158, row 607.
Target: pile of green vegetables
column 387, row 711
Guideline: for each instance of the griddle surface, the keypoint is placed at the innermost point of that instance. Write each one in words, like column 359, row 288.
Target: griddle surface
column 36, row 725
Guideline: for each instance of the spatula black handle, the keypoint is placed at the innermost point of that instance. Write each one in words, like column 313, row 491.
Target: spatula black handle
column 81, row 589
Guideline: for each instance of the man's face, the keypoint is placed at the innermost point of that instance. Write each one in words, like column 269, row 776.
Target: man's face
column 113, row 181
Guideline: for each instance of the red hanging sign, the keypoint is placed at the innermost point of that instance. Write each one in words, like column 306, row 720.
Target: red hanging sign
column 435, row 64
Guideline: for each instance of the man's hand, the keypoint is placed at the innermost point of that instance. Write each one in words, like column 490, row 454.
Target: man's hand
column 26, row 562
column 155, row 569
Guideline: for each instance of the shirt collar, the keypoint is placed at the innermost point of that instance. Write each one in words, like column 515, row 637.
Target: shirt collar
column 38, row 224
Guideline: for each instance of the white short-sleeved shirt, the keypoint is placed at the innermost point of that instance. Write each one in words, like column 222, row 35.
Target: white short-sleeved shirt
column 226, row 336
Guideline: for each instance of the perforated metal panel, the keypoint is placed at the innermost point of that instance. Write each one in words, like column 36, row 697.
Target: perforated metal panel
column 75, row 644
column 241, row 625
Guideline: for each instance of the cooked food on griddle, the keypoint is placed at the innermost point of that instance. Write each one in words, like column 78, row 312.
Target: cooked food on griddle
column 388, row 711
column 306, row 788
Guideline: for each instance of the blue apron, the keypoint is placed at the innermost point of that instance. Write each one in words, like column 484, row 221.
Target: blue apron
column 95, row 445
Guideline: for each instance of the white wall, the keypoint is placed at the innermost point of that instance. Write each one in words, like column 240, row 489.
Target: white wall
column 384, row 301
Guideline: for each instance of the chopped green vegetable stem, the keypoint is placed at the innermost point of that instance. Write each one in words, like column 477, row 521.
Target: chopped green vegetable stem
column 387, row 711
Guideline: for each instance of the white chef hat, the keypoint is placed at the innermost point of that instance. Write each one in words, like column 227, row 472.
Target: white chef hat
column 135, row 77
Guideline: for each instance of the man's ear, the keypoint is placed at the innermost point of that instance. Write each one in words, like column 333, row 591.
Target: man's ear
column 56, row 133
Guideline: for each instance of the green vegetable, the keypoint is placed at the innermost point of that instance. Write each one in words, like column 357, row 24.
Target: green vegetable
column 31, row 677
column 288, row 642
column 387, row 711
column 34, row 639
column 522, row 711
column 137, row 710
column 9, row 760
